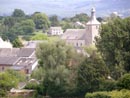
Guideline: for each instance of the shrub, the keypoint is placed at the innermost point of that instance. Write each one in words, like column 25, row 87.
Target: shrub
column 97, row 95
column 111, row 94
column 124, row 82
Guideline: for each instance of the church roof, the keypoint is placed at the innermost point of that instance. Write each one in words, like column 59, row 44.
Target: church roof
column 74, row 34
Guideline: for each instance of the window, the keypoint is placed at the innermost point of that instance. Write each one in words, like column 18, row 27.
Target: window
column 3, row 68
column 96, row 27
column 77, row 44
column 80, row 44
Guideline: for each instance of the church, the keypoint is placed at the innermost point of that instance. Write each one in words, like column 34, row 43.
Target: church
column 83, row 37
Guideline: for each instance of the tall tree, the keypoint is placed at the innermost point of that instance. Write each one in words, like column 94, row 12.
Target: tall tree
column 113, row 44
column 54, row 20
column 9, row 21
column 18, row 13
column 57, row 60
column 27, row 26
column 41, row 21
column 90, row 74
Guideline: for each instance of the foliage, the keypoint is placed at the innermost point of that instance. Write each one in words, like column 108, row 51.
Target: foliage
column 80, row 17
column 7, row 81
column 107, row 85
column 90, row 74
column 9, row 21
column 54, row 21
column 27, row 26
column 90, row 49
column 56, row 60
column 124, row 82
column 52, row 54
column 17, row 43
column 18, row 13
column 113, row 94
column 41, row 21
column 39, row 36
column 113, row 44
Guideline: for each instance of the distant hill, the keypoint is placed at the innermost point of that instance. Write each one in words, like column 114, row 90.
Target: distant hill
column 66, row 8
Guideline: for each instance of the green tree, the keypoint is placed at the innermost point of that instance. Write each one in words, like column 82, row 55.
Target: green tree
column 9, row 21
column 18, row 13
column 17, row 43
column 124, row 82
column 7, row 81
column 82, row 17
column 41, row 21
column 54, row 20
column 27, row 26
column 58, row 62
column 113, row 44
column 90, row 73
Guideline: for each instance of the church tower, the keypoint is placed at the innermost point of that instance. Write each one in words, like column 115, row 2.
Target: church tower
column 92, row 27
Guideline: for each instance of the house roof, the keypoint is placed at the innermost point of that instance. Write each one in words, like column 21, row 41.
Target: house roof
column 74, row 34
column 55, row 28
column 16, row 52
column 8, row 60
column 25, row 61
column 25, row 52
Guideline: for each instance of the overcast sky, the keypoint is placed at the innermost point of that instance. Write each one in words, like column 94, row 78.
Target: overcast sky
column 65, row 7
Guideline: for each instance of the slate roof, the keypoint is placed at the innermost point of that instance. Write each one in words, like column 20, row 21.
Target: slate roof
column 25, row 52
column 74, row 34
column 8, row 60
column 16, row 52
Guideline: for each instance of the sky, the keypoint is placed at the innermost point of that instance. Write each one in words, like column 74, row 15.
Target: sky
column 66, row 8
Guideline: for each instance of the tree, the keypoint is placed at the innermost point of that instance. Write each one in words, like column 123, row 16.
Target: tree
column 58, row 62
column 17, row 43
column 113, row 44
column 80, row 17
column 100, row 19
column 9, row 21
column 90, row 73
column 7, row 81
column 27, row 26
column 18, row 13
column 41, row 21
column 54, row 20
column 124, row 82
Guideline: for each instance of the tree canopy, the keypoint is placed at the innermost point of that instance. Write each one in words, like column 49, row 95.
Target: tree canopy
column 113, row 44
column 41, row 21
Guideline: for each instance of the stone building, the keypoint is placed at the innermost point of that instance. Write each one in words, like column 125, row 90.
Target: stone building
column 83, row 37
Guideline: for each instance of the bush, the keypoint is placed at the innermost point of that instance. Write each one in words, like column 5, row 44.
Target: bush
column 108, row 85
column 113, row 94
column 124, row 82
column 97, row 95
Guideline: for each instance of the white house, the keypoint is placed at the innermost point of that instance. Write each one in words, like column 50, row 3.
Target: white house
column 55, row 31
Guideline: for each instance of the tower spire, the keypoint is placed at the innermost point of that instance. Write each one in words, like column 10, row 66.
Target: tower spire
column 93, row 16
column 93, row 19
